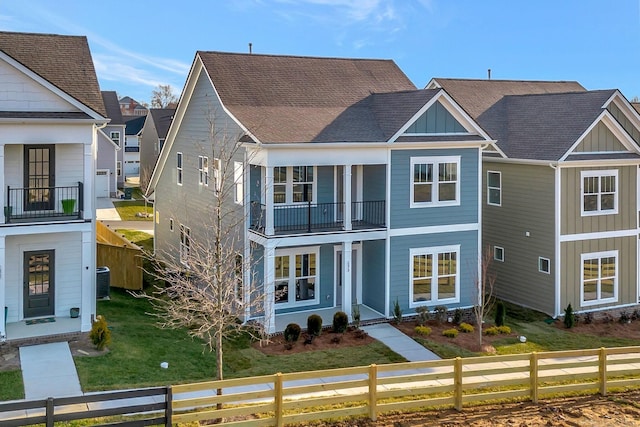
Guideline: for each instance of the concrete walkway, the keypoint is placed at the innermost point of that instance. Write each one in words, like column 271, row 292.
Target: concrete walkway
column 105, row 211
column 400, row 343
column 48, row 371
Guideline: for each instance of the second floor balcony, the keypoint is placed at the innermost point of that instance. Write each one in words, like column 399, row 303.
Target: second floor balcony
column 43, row 204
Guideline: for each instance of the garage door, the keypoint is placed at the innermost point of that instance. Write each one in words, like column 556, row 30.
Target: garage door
column 102, row 183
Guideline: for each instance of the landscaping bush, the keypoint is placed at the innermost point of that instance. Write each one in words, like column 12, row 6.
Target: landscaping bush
column 314, row 325
column 397, row 312
column 340, row 322
column 423, row 330
column 624, row 317
column 504, row 329
column 441, row 314
column 501, row 313
column 465, row 327
column 493, row 330
column 292, row 332
column 100, row 334
column 450, row 333
column 423, row 314
column 588, row 318
column 569, row 320
column 457, row 316
column 355, row 312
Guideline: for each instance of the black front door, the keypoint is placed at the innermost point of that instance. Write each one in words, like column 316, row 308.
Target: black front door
column 39, row 183
column 38, row 283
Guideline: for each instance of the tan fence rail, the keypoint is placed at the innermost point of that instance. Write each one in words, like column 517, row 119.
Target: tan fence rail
column 368, row 391
column 123, row 258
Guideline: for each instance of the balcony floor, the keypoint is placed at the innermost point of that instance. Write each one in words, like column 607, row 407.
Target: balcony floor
column 62, row 325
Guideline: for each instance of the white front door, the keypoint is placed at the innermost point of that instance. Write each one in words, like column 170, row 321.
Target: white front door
column 102, row 183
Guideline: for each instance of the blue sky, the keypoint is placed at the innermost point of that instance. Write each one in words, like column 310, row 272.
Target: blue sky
column 138, row 44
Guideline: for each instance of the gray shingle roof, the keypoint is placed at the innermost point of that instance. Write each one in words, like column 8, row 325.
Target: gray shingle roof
column 134, row 124
column 303, row 99
column 162, row 118
column 64, row 61
column 112, row 106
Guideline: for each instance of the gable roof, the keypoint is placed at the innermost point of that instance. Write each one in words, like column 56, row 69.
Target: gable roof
column 476, row 96
column 134, row 124
column 295, row 99
column 110, row 99
column 162, row 118
column 542, row 126
column 64, row 61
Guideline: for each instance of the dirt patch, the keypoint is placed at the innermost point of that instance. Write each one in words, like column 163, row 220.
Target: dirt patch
column 327, row 340
column 601, row 328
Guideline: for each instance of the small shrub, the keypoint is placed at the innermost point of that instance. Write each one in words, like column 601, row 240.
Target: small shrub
column 450, row 333
column 397, row 312
column 292, row 332
column 360, row 334
column 607, row 318
column 441, row 314
column 493, row 330
column 625, row 317
column 340, row 322
column 457, row 316
column 423, row 314
column 635, row 315
column 355, row 312
column 423, row 330
column 588, row 318
column 314, row 325
column 568, row 317
column 465, row 327
column 100, row 334
column 504, row 329
column 501, row 313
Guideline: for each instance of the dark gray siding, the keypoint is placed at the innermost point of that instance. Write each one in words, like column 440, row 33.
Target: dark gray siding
column 373, row 274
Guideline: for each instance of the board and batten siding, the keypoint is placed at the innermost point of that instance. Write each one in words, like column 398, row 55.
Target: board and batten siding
column 572, row 221
column 571, row 275
column 403, row 216
column 373, row 274
column 190, row 203
column 599, row 139
column 528, row 206
column 626, row 124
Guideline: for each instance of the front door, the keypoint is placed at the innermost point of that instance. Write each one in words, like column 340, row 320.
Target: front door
column 38, row 283
column 354, row 275
column 39, row 183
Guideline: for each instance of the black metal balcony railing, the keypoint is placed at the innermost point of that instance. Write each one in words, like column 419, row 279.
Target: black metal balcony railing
column 316, row 217
column 44, row 203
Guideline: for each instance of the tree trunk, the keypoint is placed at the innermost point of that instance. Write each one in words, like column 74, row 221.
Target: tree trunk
column 219, row 373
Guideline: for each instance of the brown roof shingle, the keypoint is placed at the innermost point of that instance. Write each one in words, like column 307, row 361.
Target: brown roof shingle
column 64, row 61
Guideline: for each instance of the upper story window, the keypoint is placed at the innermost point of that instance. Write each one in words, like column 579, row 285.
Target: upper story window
column 494, row 188
column 435, row 276
column 435, row 181
column 293, row 184
column 115, row 137
column 203, row 170
column 179, row 167
column 599, row 278
column 217, row 177
column 238, row 180
column 544, row 265
column 185, row 243
column 599, row 192
column 498, row 253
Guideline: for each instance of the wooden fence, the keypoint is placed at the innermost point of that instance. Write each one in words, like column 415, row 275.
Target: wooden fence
column 366, row 391
column 123, row 258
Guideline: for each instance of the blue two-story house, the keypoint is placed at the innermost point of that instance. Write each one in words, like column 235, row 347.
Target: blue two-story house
column 353, row 186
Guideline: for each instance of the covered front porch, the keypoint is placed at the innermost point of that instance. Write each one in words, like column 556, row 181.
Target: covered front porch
column 23, row 330
column 367, row 315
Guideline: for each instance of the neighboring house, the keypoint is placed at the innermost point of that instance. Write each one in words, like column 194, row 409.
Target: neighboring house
column 560, row 193
column 131, row 155
column 355, row 188
column 51, row 108
column 109, row 157
column 152, row 139
column 131, row 107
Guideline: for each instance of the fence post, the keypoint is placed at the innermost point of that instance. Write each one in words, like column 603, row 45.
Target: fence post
column 533, row 376
column 169, row 409
column 373, row 392
column 49, row 412
column 457, row 381
column 278, row 399
column 602, row 370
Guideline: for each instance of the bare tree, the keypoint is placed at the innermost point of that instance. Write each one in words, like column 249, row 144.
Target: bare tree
column 484, row 290
column 163, row 97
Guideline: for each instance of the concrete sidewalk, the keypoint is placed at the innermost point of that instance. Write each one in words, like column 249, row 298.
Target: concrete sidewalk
column 105, row 211
column 400, row 343
column 48, row 371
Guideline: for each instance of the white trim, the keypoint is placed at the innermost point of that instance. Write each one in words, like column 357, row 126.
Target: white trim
column 292, row 253
column 289, row 185
column 556, row 237
column 238, row 183
column 357, row 247
column 599, row 256
column 171, row 227
column 434, row 251
column 598, row 235
column 203, row 170
column 387, row 239
column 449, row 228
column 435, row 162
column 495, row 253
column 540, row 269
column 499, row 188
column 179, row 168
column 599, row 174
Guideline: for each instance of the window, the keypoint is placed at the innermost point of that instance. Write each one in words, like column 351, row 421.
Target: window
column 599, row 192
column 239, row 268
column 171, row 224
column 544, row 265
column 179, row 167
column 115, row 137
column 498, row 253
column 185, row 243
column 599, row 278
column 296, row 279
column 435, row 181
column 217, row 178
column 434, row 275
column 203, row 170
column 238, row 179
column 119, row 168
column 293, row 184
column 494, row 188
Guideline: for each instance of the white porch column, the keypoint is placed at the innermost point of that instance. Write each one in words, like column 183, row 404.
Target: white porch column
column 268, row 211
column 347, row 198
column 3, row 332
column 88, row 302
column 346, row 278
column 269, row 289
column 3, row 190
column 89, row 175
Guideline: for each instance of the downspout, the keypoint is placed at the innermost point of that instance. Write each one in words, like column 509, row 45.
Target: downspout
column 556, row 236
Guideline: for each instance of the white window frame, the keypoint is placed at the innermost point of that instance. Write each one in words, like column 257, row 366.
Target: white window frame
column 203, row 170
column 171, row 225
column 435, row 162
column 179, row 167
column 292, row 253
column 540, row 266
column 289, row 185
column 599, row 256
column 115, row 140
column 238, row 181
column 185, row 243
column 497, row 249
column 599, row 174
column 119, row 168
column 498, row 189
column 216, row 172
column 434, row 251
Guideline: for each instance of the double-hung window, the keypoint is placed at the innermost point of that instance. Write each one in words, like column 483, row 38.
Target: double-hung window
column 599, row 278
column 435, row 181
column 179, row 167
column 185, row 243
column 599, row 192
column 494, row 188
column 217, row 175
column 203, row 170
column 115, row 137
column 293, row 184
column 296, row 280
column 434, row 275
column 238, row 181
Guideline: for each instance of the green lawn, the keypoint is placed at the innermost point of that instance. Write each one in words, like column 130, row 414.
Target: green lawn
column 11, row 386
column 140, row 238
column 127, row 209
